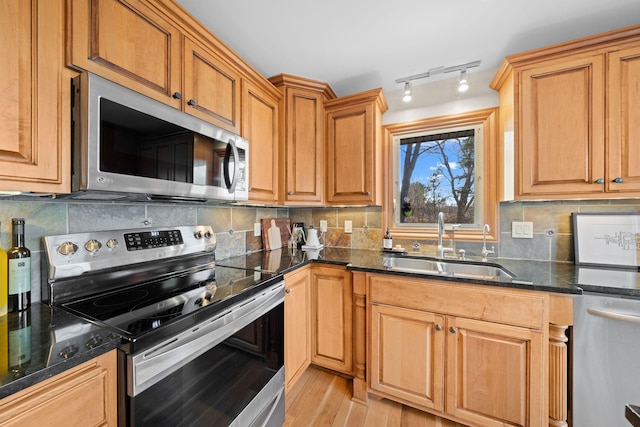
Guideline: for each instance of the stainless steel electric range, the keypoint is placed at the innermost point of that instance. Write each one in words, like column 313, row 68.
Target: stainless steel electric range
column 201, row 344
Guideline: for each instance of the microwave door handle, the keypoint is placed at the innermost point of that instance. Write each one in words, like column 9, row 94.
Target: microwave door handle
column 231, row 184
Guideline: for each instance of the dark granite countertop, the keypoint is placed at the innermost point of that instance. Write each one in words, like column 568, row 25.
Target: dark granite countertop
column 56, row 340
column 60, row 340
column 534, row 275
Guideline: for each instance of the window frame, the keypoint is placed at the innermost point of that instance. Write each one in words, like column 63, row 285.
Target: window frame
column 486, row 119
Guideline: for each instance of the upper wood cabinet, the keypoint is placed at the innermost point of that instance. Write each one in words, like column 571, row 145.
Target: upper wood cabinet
column 35, row 87
column 260, row 115
column 355, row 149
column 302, row 139
column 133, row 43
column 576, row 133
column 129, row 43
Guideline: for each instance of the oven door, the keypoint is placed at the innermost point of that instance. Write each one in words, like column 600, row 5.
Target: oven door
column 228, row 370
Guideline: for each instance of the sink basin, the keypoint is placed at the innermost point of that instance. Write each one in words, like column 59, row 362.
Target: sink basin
column 447, row 268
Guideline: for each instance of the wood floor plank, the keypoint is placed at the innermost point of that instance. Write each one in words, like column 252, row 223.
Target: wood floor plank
column 320, row 398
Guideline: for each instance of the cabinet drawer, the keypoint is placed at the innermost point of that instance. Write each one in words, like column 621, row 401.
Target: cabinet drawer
column 528, row 309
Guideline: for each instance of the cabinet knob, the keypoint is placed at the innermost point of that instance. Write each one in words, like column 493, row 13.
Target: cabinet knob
column 367, row 193
column 192, row 103
column 287, row 291
column 453, row 329
column 177, row 95
column 599, row 181
column 618, row 180
column 438, row 327
column 291, row 193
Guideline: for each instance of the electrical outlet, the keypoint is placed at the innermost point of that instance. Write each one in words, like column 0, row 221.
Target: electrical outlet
column 522, row 230
column 257, row 231
column 348, row 226
column 323, row 225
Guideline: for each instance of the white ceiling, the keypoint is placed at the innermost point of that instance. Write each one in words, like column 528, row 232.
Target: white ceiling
column 356, row 45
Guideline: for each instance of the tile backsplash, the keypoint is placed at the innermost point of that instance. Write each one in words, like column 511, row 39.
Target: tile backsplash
column 552, row 236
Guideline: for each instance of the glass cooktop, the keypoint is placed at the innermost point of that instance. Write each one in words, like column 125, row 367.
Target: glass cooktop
column 139, row 309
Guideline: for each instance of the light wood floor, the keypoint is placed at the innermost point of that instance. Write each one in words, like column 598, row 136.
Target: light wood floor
column 320, row 398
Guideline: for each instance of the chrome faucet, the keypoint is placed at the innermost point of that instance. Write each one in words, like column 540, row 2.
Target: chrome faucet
column 485, row 251
column 441, row 250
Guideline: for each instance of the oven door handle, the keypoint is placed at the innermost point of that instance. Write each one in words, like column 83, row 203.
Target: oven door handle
column 614, row 315
column 151, row 366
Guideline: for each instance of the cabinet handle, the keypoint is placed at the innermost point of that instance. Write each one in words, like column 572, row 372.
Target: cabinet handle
column 599, row 181
column 177, row 95
column 618, row 180
column 438, row 327
column 191, row 103
column 453, row 330
column 287, row 291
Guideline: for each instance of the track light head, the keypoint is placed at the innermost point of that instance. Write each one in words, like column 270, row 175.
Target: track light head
column 407, row 91
column 463, row 81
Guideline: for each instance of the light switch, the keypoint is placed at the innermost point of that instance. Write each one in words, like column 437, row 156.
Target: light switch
column 323, row 225
column 348, row 226
column 256, row 229
column 522, row 230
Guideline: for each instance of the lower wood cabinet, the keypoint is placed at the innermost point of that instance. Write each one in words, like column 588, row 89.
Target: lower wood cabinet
column 332, row 318
column 81, row 396
column 475, row 354
column 297, row 325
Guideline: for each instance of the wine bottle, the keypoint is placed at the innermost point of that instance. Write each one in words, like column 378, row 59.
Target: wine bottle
column 19, row 342
column 19, row 269
column 387, row 241
column 4, row 278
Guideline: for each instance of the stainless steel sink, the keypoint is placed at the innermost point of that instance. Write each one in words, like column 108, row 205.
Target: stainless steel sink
column 447, row 268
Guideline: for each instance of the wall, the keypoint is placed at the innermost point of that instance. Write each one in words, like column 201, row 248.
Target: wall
column 44, row 217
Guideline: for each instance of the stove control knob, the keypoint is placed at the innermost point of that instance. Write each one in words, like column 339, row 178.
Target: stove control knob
column 112, row 243
column 67, row 248
column 92, row 246
column 93, row 342
column 198, row 235
column 208, row 234
column 68, row 351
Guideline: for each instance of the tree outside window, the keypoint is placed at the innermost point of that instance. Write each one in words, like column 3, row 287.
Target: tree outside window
column 437, row 173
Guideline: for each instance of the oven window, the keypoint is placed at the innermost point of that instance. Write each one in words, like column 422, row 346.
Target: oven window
column 214, row 388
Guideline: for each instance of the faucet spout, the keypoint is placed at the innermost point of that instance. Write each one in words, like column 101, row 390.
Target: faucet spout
column 485, row 251
column 441, row 250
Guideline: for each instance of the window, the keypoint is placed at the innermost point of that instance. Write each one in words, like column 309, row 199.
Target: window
column 446, row 164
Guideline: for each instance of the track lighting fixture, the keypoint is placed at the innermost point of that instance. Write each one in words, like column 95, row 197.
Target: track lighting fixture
column 407, row 91
column 463, row 79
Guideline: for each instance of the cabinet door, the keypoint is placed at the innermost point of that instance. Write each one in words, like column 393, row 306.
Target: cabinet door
column 351, row 154
column 82, row 396
column 407, row 355
column 332, row 318
column 623, row 109
column 297, row 325
column 495, row 374
column 303, row 147
column 260, row 128
column 560, row 129
column 127, row 42
column 35, row 104
column 211, row 87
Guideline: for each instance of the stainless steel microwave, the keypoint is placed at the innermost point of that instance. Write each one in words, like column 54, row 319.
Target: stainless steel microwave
column 125, row 144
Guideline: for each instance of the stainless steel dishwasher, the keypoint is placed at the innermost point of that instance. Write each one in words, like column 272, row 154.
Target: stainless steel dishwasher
column 606, row 359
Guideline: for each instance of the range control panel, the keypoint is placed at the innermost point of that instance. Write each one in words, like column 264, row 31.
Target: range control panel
column 152, row 239
column 70, row 255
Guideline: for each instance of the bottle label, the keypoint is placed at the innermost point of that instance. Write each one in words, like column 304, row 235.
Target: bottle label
column 19, row 276
column 387, row 243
